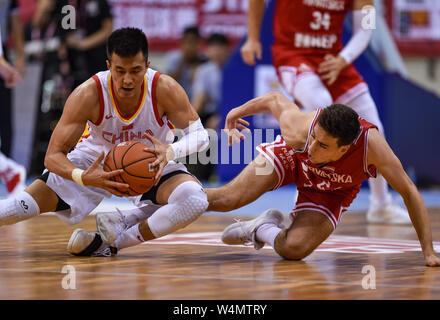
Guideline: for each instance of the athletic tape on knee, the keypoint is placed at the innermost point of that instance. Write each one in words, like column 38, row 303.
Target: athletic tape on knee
column 185, row 204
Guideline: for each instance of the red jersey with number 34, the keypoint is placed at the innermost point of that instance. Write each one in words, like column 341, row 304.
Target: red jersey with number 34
column 309, row 26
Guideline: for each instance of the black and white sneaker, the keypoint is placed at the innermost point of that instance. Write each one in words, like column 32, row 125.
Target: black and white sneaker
column 89, row 244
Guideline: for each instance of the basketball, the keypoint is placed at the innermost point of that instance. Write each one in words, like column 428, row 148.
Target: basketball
column 136, row 163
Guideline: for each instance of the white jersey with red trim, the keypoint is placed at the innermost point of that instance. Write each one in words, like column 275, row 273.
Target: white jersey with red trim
column 113, row 128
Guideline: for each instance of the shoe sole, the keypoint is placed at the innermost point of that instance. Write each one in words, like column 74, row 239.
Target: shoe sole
column 104, row 228
column 72, row 239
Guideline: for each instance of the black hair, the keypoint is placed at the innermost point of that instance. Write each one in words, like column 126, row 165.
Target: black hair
column 217, row 38
column 191, row 30
column 341, row 122
column 127, row 42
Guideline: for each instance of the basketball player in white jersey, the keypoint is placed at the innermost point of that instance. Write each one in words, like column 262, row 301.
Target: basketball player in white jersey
column 130, row 101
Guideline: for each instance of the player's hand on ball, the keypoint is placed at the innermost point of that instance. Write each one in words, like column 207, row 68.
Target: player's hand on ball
column 164, row 153
column 250, row 50
column 232, row 125
column 97, row 177
column 330, row 68
column 432, row 261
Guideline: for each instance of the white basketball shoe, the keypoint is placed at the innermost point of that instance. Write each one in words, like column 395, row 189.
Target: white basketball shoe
column 389, row 214
column 110, row 225
column 89, row 244
column 243, row 232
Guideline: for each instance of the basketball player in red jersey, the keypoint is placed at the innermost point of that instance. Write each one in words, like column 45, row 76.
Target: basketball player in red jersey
column 129, row 97
column 327, row 153
column 316, row 70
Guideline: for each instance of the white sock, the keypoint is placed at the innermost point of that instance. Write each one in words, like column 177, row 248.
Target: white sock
column 129, row 238
column 379, row 193
column 134, row 216
column 267, row 233
column 18, row 208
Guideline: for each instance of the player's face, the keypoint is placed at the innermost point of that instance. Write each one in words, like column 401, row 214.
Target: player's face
column 127, row 74
column 323, row 147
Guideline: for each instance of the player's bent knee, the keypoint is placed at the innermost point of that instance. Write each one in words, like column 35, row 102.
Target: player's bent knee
column 293, row 253
column 292, row 250
column 189, row 210
column 186, row 203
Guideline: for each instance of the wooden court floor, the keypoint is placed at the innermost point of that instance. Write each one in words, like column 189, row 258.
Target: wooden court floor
column 355, row 263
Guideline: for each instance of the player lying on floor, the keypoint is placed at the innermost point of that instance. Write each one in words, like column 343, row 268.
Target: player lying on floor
column 327, row 153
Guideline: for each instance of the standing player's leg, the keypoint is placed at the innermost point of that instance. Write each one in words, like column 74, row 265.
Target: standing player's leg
column 381, row 208
column 311, row 93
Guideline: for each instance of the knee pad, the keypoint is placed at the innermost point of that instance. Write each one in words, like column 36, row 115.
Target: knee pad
column 186, row 203
column 190, row 200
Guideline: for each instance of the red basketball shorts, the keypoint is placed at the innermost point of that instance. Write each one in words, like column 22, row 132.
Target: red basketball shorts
column 329, row 203
column 347, row 86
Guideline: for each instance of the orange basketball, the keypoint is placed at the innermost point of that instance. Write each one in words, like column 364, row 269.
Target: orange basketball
column 136, row 163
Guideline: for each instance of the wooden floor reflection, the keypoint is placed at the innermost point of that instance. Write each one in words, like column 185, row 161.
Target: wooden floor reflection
column 33, row 255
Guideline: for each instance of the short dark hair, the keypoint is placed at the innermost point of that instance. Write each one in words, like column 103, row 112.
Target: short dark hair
column 217, row 38
column 127, row 42
column 341, row 122
column 191, row 30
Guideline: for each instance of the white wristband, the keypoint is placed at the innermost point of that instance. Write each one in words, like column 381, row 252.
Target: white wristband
column 77, row 176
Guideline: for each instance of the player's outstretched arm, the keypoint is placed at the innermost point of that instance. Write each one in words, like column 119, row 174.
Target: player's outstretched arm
column 289, row 116
column 81, row 106
column 251, row 49
column 387, row 163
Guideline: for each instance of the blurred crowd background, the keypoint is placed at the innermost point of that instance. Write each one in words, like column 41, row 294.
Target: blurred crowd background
column 57, row 45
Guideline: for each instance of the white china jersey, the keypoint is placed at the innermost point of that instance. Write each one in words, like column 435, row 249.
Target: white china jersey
column 113, row 128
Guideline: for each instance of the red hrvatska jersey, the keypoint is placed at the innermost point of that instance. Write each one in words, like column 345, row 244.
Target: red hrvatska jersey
column 309, row 26
column 343, row 177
